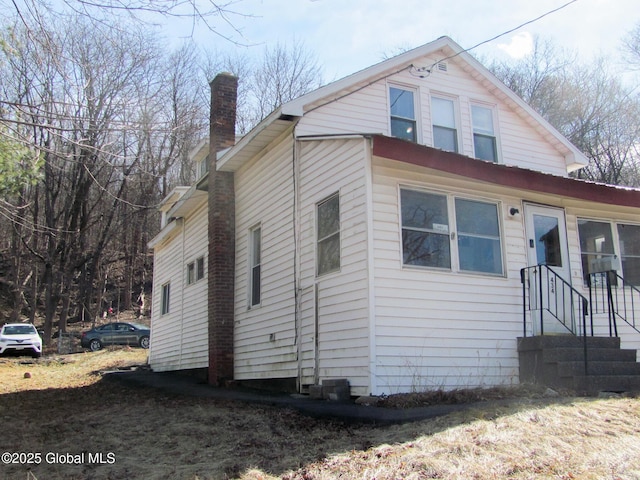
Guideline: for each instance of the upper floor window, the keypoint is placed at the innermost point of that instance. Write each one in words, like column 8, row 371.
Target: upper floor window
column 328, row 231
column 195, row 271
column 403, row 116
column 445, row 133
column 484, row 137
column 255, row 262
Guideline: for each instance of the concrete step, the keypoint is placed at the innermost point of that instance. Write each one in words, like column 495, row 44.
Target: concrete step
column 593, row 384
column 558, row 341
column 567, row 354
column 571, row 369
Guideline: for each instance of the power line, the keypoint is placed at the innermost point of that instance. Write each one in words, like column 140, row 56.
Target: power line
column 428, row 70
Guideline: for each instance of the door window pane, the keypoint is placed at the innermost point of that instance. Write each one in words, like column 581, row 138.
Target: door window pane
column 479, row 246
column 547, row 240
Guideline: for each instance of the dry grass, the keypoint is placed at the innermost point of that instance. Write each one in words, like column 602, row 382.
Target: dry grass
column 66, row 407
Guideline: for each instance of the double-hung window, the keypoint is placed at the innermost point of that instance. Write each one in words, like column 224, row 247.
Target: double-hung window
column 403, row 116
column 255, row 262
column 443, row 118
column 328, row 235
column 429, row 221
column 484, row 137
column 165, row 298
column 195, row 271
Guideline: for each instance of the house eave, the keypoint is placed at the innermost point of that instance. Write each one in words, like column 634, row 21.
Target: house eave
column 255, row 141
column 503, row 175
column 164, row 234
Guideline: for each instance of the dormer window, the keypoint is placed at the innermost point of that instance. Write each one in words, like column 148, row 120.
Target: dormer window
column 445, row 133
column 403, row 114
column 484, row 137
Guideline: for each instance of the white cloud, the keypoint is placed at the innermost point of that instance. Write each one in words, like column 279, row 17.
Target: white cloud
column 520, row 45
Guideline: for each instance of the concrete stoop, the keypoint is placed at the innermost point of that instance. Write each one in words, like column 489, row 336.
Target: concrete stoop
column 335, row 390
column 557, row 361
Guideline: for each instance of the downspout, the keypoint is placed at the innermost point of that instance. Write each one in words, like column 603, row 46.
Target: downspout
column 182, row 286
column 296, row 259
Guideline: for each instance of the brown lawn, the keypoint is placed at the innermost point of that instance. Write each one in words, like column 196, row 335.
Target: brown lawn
column 71, row 424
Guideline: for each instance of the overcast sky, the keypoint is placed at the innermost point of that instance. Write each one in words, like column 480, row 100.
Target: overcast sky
column 349, row 35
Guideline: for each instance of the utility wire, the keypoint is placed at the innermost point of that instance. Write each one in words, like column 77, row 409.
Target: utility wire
column 428, row 70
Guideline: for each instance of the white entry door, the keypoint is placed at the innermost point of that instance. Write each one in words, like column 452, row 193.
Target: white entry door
column 547, row 245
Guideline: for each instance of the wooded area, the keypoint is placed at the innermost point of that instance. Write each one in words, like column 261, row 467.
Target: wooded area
column 97, row 119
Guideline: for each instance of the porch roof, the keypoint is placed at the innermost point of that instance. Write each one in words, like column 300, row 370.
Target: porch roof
column 504, row 175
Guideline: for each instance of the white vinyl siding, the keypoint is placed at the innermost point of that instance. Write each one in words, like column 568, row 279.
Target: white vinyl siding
column 334, row 316
column 437, row 328
column 367, row 111
column 265, row 337
column 179, row 339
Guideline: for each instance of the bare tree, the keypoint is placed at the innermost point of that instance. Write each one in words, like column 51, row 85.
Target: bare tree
column 282, row 73
column 586, row 103
column 111, row 118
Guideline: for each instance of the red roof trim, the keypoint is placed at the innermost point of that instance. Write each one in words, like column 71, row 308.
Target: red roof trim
column 516, row 177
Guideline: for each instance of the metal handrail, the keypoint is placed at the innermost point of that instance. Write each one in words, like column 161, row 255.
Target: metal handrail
column 557, row 297
column 561, row 298
column 609, row 293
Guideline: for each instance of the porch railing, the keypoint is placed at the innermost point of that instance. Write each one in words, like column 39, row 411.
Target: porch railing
column 545, row 294
column 610, row 294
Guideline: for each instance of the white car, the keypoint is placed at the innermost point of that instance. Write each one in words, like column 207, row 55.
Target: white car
column 20, row 337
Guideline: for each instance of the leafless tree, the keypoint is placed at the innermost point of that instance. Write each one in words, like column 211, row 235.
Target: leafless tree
column 111, row 118
column 586, row 103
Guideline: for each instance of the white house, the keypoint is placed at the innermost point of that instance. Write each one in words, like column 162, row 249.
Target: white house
column 376, row 230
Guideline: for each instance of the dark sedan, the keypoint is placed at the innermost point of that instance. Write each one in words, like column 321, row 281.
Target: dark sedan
column 118, row 333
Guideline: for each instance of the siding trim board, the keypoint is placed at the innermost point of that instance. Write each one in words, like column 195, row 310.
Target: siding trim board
column 508, row 176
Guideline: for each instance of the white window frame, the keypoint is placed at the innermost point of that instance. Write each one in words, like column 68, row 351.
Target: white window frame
column 485, row 133
column 255, row 267
column 452, row 231
column 416, row 130
column 615, row 238
column 165, row 298
column 324, row 239
column 195, row 270
column 456, row 119
column 200, row 268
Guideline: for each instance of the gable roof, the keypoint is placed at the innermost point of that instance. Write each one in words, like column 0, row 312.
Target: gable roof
column 285, row 117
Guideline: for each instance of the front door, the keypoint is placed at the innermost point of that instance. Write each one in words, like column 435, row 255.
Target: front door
column 547, row 245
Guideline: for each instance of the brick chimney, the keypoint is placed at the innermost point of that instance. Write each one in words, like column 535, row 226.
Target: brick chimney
column 221, row 254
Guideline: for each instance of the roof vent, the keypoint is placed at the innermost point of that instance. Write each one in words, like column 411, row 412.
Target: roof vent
column 441, row 66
